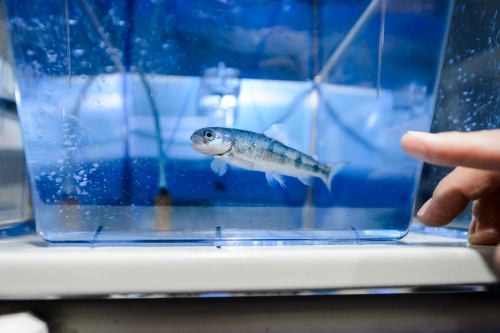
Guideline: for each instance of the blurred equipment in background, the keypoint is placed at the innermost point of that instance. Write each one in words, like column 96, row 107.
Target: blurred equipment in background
column 218, row 96
column 15, row 203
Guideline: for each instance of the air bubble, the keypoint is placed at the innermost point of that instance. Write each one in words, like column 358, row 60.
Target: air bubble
column 78, row 52
column 51, row 56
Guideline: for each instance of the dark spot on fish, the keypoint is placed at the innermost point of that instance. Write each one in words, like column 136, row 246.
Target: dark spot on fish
column 298, row 161
column 252, row 147
column 315, row 168
column 271, row 146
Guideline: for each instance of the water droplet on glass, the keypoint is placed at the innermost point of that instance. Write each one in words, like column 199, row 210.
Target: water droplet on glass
column 51, row 56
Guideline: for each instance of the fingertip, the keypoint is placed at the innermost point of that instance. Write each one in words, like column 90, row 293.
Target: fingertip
column 405, row 140
column 429, row 215
column 408, row 137
column 414, row 143
column 421, row 212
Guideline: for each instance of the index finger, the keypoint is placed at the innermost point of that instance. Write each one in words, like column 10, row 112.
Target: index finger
column 480, row 149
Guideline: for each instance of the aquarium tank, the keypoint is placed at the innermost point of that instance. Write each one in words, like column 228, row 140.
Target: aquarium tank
column 315, row 96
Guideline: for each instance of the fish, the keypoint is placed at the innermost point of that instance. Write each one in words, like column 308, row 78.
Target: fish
column 266, row 152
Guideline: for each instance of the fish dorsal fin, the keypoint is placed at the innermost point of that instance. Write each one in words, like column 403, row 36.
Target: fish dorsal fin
column 219, row 166
column 273, row 178
column 278, row 133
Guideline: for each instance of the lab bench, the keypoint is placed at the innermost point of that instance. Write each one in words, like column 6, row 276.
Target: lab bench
column 425, row 282
column 30, row 268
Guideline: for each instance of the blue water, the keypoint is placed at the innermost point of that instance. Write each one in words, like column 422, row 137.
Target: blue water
column 109, row 100
column 192, row 183
column 251, row 206
column 97, row 180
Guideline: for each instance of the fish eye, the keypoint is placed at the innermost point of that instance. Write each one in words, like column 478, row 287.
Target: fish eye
column 209, row 135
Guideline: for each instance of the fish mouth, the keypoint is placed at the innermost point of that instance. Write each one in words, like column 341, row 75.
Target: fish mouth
column 195, row 139
column 200, row 146
column 196, row 146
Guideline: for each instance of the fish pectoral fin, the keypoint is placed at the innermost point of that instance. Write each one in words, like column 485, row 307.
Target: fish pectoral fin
column 273, row 178
column 219, row 166
column 305, row 180
column 277, row 132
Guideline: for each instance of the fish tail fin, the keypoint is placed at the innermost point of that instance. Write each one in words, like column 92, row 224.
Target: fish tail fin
column 333, row 169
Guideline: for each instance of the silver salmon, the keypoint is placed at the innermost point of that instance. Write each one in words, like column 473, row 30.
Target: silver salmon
column 259, row 152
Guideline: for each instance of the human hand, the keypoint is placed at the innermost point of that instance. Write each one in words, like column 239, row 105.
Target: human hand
column 476, row 178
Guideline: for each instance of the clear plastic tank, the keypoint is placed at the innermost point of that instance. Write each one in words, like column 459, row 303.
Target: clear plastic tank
column 111, row 91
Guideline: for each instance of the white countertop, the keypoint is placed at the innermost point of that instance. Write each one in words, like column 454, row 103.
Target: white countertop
column 29, row 268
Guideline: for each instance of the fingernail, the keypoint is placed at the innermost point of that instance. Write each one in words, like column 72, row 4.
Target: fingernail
column 423, row 135
column 421, row 212
column 484, row 237
column 419, row 134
